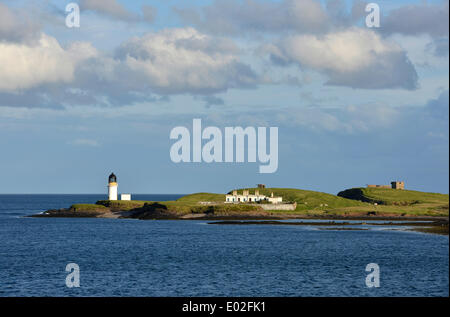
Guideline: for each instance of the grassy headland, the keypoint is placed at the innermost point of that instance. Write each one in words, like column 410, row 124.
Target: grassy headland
column 308, row 200
column 355, row 202
column 400, row 202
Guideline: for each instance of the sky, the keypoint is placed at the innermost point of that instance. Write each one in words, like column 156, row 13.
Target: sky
column 353, row 105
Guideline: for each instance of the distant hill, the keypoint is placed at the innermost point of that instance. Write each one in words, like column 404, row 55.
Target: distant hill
column 305, row 199
column 198, row 197
column 410, row 201
column 387, row 196
column 354, row 202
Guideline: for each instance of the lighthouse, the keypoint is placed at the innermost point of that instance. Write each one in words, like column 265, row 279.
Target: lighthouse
column 112, row 187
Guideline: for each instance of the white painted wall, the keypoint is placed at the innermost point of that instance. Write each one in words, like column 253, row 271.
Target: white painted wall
column 125, row 196
column 251, row 198
column 275, row 200
column 112, row 192
column 279, row 206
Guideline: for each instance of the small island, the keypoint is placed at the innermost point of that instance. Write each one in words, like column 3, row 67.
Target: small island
column 260, row 203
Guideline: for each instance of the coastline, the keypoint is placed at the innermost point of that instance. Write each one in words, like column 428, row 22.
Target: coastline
column 251, row 215
column 428, row 211
column 424, row 224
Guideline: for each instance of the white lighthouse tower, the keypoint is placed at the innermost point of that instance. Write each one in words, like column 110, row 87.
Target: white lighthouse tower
column 112, row 187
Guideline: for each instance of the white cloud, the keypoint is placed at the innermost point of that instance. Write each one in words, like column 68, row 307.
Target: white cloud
column 171, row 61
column 355, row 57
column 183, row 61
column 24, row 66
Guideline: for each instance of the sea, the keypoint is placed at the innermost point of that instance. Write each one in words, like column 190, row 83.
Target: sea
column 127, row 257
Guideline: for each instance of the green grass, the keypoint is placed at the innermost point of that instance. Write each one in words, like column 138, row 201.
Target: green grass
column 122, row 205
column 184, row 205
column 195, row 198
column 79, row 210
column 308, row 199
column 387, row 196
column 88, row 208
column 356, row 202
column 408, row 202
column 305, row 199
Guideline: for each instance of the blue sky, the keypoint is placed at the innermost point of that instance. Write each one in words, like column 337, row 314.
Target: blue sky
column 353, row 105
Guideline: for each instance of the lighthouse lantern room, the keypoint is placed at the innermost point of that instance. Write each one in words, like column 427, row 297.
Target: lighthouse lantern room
column 112, row 187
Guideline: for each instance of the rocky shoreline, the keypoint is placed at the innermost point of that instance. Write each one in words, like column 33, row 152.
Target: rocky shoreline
column 439, row 225
column 156, row 213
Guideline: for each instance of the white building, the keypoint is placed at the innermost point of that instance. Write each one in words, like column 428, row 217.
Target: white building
column 246, row 197
column 274, row 200
column 125, row 196
column 112, row 189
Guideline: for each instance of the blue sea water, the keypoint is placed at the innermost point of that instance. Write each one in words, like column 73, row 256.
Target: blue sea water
column 123, row 257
